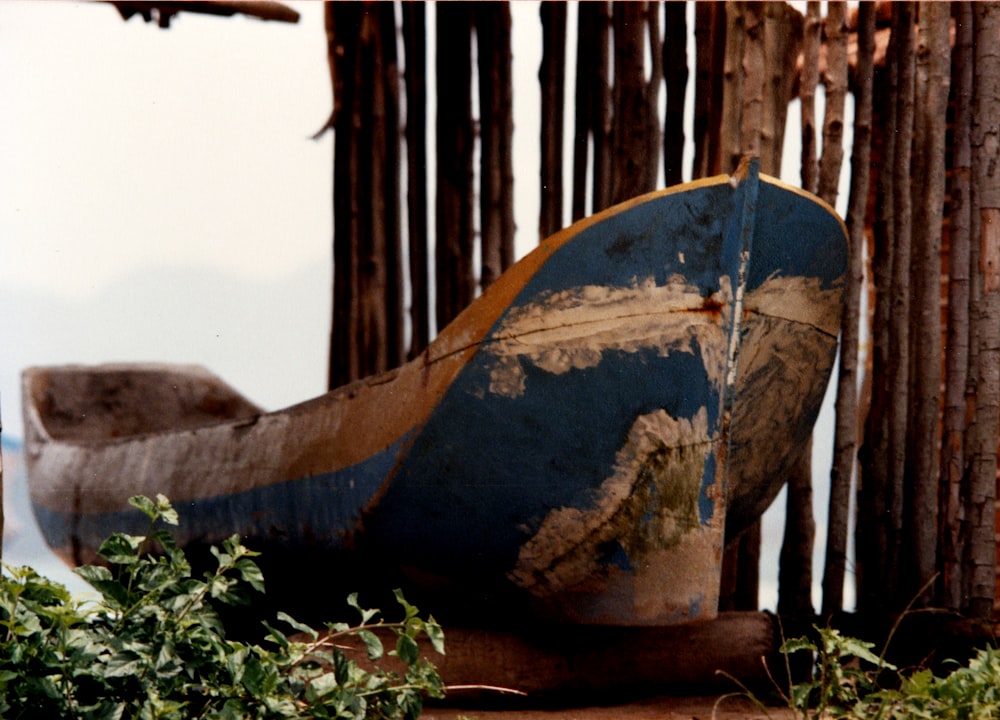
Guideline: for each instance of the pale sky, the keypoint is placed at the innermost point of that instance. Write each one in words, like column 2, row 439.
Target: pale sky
column 161, row 198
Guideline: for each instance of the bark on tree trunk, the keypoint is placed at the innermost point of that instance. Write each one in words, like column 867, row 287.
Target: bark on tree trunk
column 602, row 117
column 415, row 80
column 732, row 89
column 931, row 102
column 589, row 30
column 846, row 428
column 752, row 66
column 808, row 81
column 795, row 565
column 651, row 96
column 836, row 91
column 676, row 72
column 367, row 332
column 455, row 281
column 496, row 138
column 551, row 75
column 873, row 487
column 631, row 112
column 710, row 52
column 782, row 45
column 899, row 331
column 953, row 457
column 980, row 509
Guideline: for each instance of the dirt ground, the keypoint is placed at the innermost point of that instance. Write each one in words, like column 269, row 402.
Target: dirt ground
column 658, row 708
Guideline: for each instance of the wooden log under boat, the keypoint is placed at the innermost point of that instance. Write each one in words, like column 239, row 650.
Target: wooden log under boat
column 573, row 446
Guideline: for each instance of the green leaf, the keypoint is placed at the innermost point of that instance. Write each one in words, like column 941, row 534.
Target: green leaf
column 372, row 644
column 410, row 610
column 301, row 627
column 145, row 505
column 436, row 635
column 165, row 510
column 251, row 574
column 407, row 649
column 366, row 615
column 121, row 549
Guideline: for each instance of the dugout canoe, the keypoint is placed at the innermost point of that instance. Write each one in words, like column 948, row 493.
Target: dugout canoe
column 574, row 446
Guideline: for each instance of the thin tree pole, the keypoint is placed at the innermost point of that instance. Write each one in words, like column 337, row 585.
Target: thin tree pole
column 455, row 281
column 931, row 103
column 342, row 22
column 845, row 441
column 751, row 117
column 415, row 82
column 782, row 47
column 953, row 457
column 676, row 76
column 710, row 53
column 651, row 96
column 630, row 134
column 731, row 148
column 872, row 531
column 552, row 76
column 980, row 509
column 808, row 80
column 583, row 121
column 899, row 331
column 496, row 139
column 836, row 91
column 387, row 214
column 602, row 105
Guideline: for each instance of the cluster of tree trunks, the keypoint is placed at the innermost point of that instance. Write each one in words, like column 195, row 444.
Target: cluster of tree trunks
column 920, row 409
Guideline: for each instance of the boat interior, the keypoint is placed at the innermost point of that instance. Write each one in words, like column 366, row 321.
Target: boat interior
column 80, row 404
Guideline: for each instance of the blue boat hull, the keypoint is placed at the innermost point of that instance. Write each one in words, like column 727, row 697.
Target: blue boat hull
column 575, row 445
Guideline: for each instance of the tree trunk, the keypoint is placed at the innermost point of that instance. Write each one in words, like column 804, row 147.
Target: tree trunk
column 552, row 75
column 676, row 72
column 953, row 457
column 496, row 171
column 455, row 280
column 710, row 53
column 651, row 97
column 980, row 509
column 732, row 89
column 931, row 103
column 752, row 67
column 415, row 80
column 344, row 364
column 808, row 80
column 846, row 429
column 899, row 330
column 367, row 321
column 602, row 110
column 836, row 90
column 795, row 565
column 782, row 46
column 631, row 112
column 873, row 487
column 589, row 30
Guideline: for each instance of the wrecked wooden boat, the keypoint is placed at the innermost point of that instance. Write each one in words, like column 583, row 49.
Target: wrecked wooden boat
column 574, row 446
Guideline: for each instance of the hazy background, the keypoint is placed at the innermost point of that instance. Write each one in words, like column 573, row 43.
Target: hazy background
column 161, row 199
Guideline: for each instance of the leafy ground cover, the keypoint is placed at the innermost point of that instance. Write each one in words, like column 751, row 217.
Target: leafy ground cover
column 848, row 680
column 153, row 645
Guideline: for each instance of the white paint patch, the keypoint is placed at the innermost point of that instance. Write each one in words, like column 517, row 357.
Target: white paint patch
column 571, row 329
column 800, row 300
column 648, row 507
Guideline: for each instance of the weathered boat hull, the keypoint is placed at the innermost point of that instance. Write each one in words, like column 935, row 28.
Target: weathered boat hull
column 564, row 449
